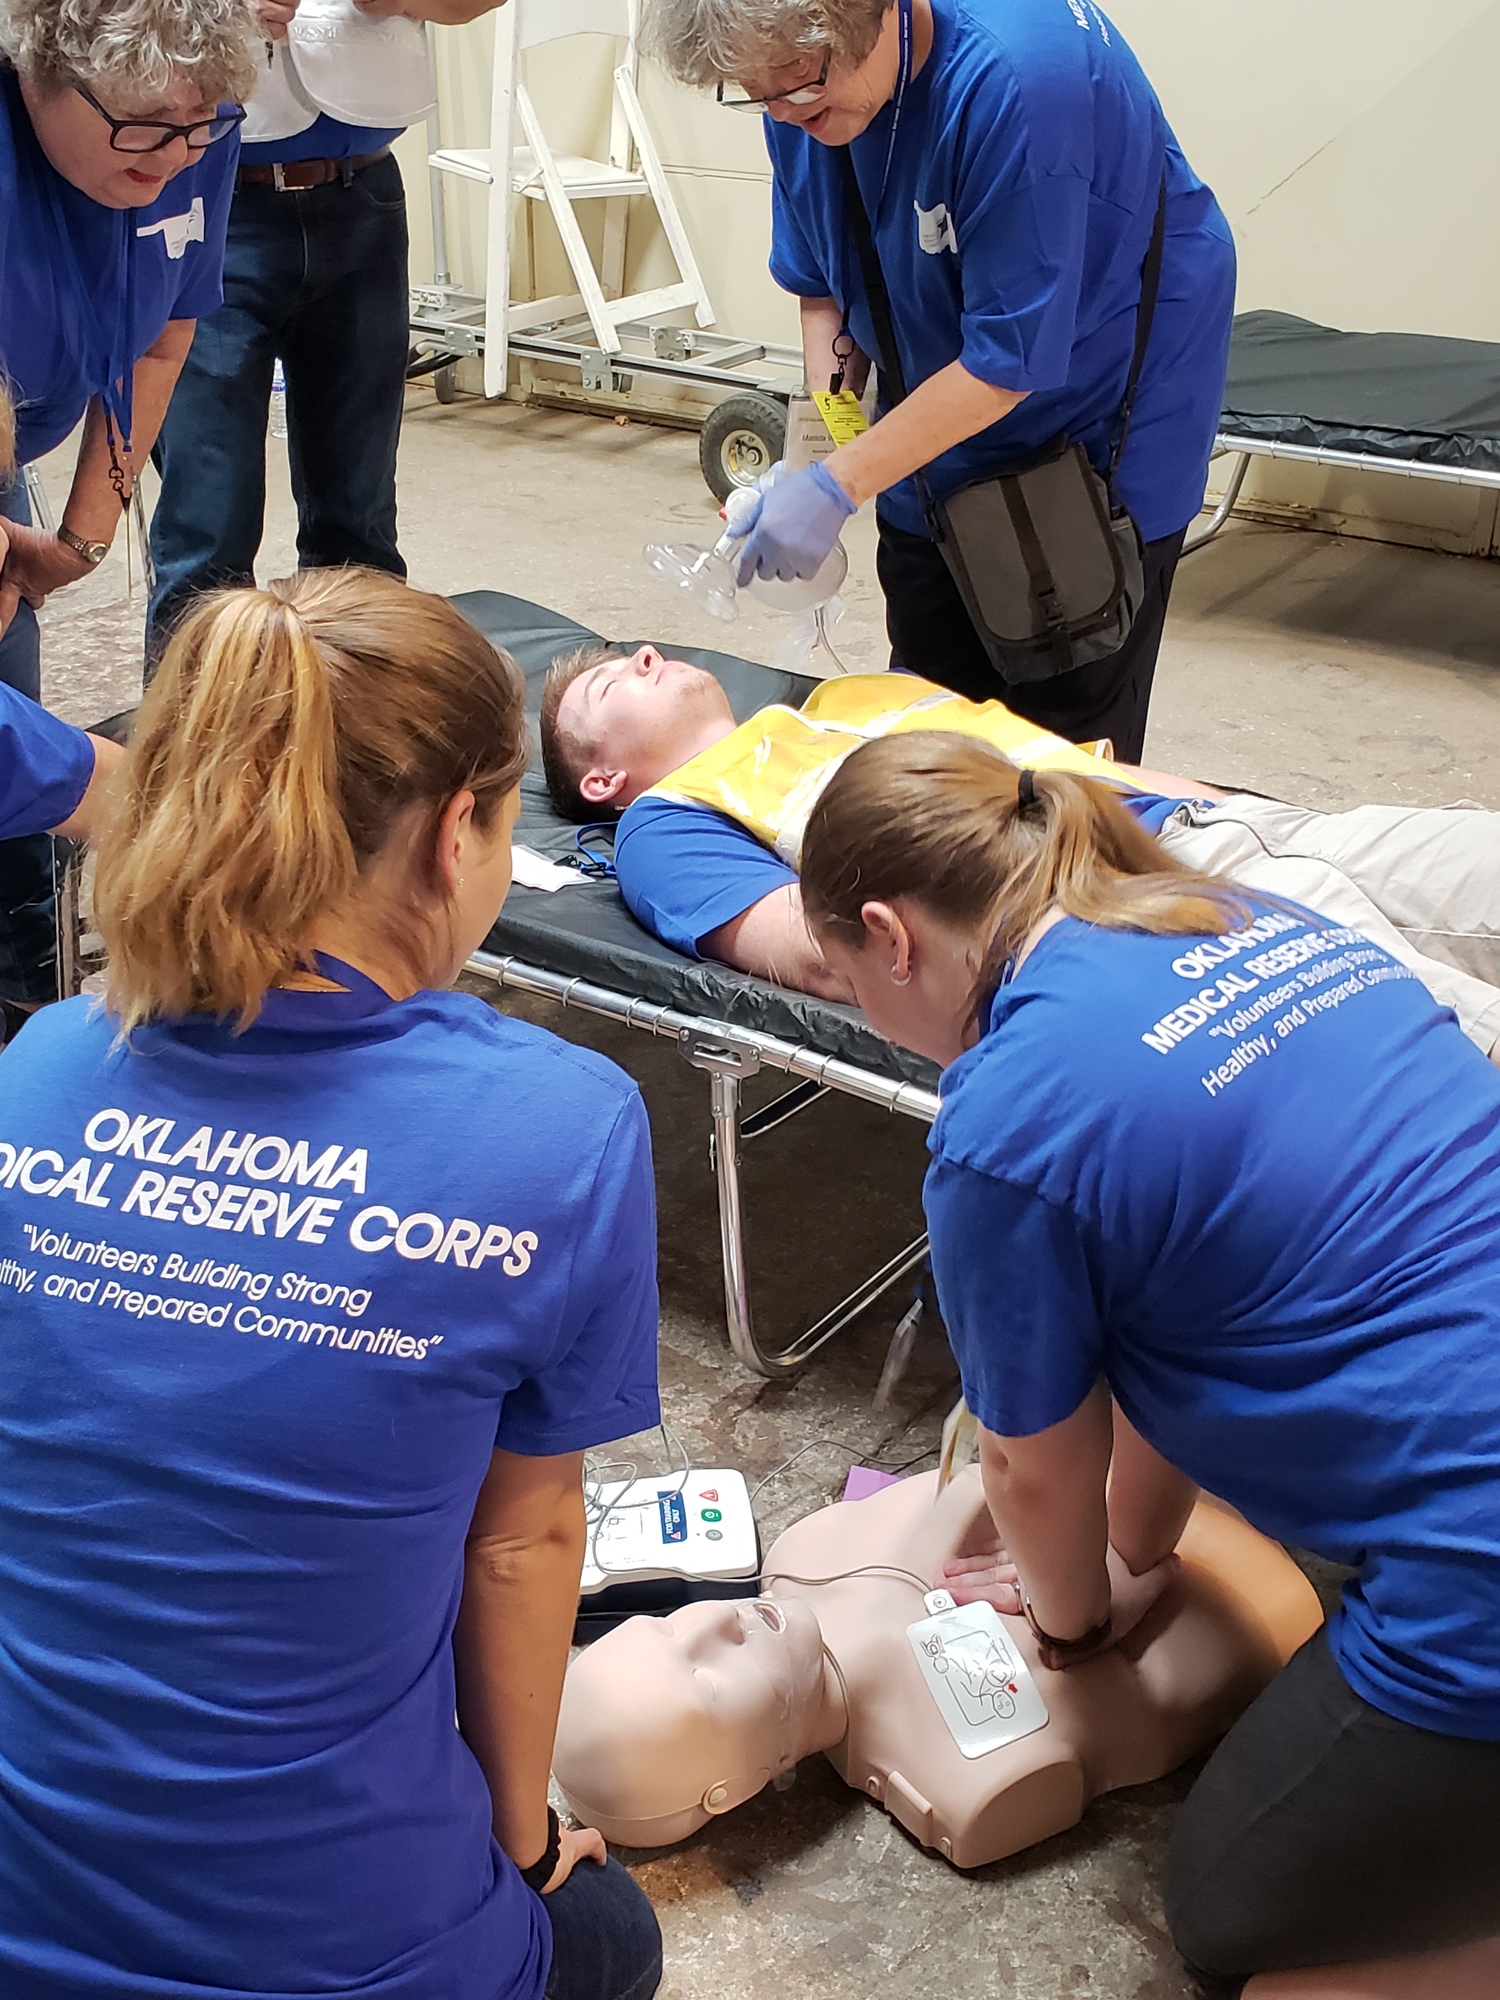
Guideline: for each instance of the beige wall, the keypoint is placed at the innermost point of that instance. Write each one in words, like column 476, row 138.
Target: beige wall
column 1348, row 141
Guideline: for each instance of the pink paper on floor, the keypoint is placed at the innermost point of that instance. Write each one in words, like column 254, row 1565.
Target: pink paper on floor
column 864, row 1480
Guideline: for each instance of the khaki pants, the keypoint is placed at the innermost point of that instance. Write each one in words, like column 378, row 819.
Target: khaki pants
column 1423, row 882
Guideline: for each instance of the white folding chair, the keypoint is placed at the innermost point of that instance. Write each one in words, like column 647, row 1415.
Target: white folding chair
column 535, row 171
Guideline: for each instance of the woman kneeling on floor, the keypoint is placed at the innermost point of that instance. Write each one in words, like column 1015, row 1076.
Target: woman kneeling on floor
column 1232, row 1165
column 271, row 1509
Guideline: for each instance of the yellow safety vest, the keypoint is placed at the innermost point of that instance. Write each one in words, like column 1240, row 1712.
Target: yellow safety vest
column 770, row 772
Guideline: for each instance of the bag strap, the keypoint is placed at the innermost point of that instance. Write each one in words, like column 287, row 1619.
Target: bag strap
column 1145, row 313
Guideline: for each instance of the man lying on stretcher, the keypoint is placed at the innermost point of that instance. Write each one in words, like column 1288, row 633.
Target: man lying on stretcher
column 711, row 815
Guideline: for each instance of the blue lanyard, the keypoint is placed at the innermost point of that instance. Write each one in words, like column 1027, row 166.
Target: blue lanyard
column 903, row 78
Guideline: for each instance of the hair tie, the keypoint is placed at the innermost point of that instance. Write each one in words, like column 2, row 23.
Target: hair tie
column 1026, row 792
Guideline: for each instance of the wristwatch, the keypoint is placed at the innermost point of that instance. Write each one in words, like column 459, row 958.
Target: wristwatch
column 542, row 1870
column 93, row 553
column 1067, row 1650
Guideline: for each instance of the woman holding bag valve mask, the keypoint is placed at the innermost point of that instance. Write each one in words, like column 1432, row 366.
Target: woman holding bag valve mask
column 1019, row 201
column 1229, row 1165
column 319, row 1281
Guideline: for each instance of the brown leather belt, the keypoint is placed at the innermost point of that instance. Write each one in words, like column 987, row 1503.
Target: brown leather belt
column 292, row 176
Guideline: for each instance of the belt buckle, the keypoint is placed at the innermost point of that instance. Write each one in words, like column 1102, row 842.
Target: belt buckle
column 278, row 177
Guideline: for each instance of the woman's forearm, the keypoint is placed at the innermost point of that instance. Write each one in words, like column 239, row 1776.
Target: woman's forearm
column 1047, row 1496
column 939, row 413
column 822, row 322
column 511, row 1650
column 93, row 506
column 1149, row 1500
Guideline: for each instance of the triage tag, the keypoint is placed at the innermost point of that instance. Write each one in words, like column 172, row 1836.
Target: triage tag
column 975, row 1675
column 841, row 413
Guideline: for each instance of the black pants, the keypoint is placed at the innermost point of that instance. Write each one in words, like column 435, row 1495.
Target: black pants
column 931, row 635
column 1323, row 1831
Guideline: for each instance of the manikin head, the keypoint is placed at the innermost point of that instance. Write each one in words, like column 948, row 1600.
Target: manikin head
column 667, row 1722
column 614, row 724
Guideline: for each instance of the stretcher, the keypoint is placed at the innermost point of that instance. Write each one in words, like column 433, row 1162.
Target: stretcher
column 580, row 946
column 1417, row 406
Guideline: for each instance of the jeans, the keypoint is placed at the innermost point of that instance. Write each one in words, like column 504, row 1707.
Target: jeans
column 28, row 933
column 931, row 634
column 318, row 277
column 1323, row 1831
column 606, row 1943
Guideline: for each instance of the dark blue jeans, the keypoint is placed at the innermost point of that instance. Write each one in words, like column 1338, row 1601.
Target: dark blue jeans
column 606, row 1943
column 28, row 936
column 319, row 278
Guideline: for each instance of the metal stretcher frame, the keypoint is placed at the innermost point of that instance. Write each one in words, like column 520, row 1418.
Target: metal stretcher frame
column 728, row 1055
column 1246, row 448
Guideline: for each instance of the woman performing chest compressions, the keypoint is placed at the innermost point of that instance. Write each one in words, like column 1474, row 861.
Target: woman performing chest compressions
column 1230, row 1166
column 317, row 1283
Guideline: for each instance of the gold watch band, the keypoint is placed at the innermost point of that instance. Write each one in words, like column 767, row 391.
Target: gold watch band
column 93, row 553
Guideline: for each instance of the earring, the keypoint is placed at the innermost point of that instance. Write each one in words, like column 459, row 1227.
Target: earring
column 901, row 978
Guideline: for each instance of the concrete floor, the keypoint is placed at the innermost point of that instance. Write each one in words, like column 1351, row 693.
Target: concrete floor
column 1326, row 670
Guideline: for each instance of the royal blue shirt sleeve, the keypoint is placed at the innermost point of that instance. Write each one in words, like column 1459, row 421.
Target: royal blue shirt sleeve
column 794, row 262
column 1019, row 1299
column 684, row 870
column 45, row 766
column 601, row 1382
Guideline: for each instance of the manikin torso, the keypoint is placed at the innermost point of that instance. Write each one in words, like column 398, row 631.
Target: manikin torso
column 1236, row 1612
column 667, row 1722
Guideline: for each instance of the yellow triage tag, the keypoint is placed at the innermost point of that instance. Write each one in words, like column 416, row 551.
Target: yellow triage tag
column 841, row 413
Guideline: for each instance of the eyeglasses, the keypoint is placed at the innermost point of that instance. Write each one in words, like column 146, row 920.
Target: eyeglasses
column 733, row 98
column 149, row 135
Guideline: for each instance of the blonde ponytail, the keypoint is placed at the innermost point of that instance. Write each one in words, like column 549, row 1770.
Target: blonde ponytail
column 285, row 731
column 945, row 821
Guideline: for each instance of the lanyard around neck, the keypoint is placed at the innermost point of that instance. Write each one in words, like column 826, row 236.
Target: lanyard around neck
column 109, row 353
column 903, row 78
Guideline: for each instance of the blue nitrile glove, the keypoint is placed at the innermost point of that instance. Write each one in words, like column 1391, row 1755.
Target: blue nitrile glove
column 800, row 518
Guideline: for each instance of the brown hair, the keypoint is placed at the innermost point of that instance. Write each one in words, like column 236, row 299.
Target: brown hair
column 565, row 756
column 285, row 733
column 945, row 820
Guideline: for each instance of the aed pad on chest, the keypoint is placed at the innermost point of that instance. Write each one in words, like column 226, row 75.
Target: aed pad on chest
column 982, row 1687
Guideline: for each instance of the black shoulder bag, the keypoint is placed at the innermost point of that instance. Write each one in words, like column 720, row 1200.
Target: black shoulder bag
column 1045, row 556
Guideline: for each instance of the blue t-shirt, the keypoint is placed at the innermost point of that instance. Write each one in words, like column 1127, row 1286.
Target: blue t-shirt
column 45, row 766
column 1023, row 184
column 327, row 138
column 1252, row 1181
column 270, row 1302
column 685, row 869
column 84, row 288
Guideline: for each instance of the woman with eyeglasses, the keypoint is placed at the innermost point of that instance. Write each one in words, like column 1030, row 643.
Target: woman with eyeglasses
column 117, row 152
column 1010, row 161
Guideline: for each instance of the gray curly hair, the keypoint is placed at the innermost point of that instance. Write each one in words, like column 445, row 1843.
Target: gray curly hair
column 702, row 41
column 133, row 52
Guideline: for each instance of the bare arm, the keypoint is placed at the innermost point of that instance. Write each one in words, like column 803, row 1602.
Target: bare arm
column 1149, row 1500
column 1048, row 1499
column 522, row 1563
column 38, row 561
column 83, row 822
column 821, row 324
column 771, row 940
column 938, row 414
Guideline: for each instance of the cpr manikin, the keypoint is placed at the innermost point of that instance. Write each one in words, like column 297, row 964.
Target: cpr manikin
column 669, row 1721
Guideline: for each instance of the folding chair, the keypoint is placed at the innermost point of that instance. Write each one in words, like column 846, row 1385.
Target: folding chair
column 533, row 170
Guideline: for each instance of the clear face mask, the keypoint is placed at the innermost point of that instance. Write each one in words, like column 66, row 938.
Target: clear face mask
column 708, row 576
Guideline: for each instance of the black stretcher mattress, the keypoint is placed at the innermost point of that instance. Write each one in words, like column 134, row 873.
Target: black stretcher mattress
column 1402, row 396
column 585, row 930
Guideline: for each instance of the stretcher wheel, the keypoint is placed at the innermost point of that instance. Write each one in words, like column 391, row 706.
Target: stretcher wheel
column 742, row 437
column 445, row 383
